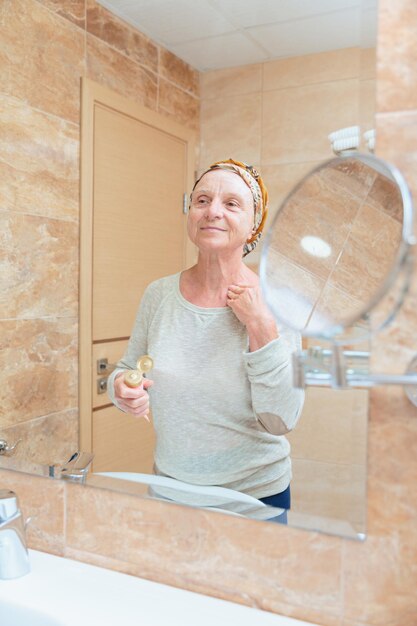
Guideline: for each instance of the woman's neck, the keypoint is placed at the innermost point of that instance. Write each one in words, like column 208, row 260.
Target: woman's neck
column 205, row 284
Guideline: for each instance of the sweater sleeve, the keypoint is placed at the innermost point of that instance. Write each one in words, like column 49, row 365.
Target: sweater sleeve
column 276, row 403
column 138, row 342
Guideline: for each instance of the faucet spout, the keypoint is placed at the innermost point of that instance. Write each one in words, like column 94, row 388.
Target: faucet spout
column 75, row 469
column 14, row 556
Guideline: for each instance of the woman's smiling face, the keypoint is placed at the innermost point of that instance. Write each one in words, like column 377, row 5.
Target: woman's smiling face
column 221, row 216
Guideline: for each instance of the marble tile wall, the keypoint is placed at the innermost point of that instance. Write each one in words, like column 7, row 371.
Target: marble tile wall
column 46, row 46
column 329, row 455
column 327, row 580
column 277, row 115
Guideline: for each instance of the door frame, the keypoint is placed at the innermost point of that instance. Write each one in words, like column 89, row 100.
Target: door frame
column 92, row 94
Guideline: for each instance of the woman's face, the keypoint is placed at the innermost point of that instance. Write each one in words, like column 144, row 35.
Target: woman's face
column 221, row 216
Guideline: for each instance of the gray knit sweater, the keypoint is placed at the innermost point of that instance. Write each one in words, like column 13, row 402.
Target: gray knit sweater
column 220, row 412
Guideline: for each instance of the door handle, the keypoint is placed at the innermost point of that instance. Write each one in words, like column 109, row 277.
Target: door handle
column 104, row 367
column 101, row 385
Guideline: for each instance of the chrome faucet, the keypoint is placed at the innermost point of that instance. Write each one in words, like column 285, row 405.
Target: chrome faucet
column 75, row 469
column 14, row 557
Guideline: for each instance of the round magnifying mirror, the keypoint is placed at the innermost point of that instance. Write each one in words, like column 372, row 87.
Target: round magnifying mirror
column 338, row 245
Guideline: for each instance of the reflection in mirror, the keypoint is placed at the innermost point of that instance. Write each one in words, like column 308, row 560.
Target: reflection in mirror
column 282, row 129
column 208, row 497
column 329, row 451
column 336, row 246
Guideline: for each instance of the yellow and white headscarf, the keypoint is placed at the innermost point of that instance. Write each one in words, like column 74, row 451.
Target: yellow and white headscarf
column 259, row 192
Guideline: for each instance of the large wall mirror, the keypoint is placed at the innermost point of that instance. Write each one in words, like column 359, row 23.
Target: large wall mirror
column 308, row 73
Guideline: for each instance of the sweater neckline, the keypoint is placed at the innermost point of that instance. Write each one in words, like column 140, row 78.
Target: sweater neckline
column 221, row 310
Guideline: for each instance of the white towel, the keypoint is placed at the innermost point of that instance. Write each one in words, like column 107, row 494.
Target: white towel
column 369, row 134
column 371, row 144
column 349, row 131
column 348, row 143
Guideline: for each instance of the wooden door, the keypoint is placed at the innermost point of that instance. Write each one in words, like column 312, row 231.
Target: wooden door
column 136, row 168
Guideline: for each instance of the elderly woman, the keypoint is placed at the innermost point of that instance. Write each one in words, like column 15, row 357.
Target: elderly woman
column 222, row 397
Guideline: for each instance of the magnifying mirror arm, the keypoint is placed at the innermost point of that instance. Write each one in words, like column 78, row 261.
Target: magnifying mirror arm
column 309, row 370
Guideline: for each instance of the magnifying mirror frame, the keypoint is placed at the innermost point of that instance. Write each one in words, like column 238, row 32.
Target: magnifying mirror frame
column 403, row 259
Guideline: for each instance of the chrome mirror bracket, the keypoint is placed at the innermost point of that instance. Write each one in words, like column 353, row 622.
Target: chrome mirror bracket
column 314, row 368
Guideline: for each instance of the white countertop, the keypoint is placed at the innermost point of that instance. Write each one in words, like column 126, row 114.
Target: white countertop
column 77, row 593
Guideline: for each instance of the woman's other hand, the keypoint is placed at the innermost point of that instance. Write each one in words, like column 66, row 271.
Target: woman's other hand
column 247, row 303
column 249, row 307
column 133, row 400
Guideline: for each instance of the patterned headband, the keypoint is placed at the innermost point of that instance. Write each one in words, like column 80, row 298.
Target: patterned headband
column 260, row 195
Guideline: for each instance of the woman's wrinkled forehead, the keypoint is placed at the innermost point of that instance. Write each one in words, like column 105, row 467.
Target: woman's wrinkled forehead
column 224, row 182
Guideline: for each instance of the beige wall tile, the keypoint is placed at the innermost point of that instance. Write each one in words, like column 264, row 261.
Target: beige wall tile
column 41, row 499
column 358, row 495
column 39, row 273
column 333, row 490
column 397, row 144
column 380, row 578
column 42, row 58
column 385, row 196
column 312, row 68
column 39, row 161
column 39, row 368
column 280, row 180
column 367, row 63
column 315, row 210
column 49, row 440
column 292, row 290
column 121, row 36
column 367, row 96
column 232, row 130
column 395, row 344
column 335, row 307
column 393, row 350
column 395, row 347
column 319, row 615
column 184, row 550
column 178, row 104
column 353, row 178
column 333, row 426
column 380, row 581
column 177, row 71
column 116, row 71
column 231, row 82
column 297, row 121
column 73, row 10
column 392, row 499
column 329, row 525
column 397, row 56
column 368, row 254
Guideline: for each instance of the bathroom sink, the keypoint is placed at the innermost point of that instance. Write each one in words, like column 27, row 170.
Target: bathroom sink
column 14, row 615
column 212, row 498
column 211, row 495
column 63, row 592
